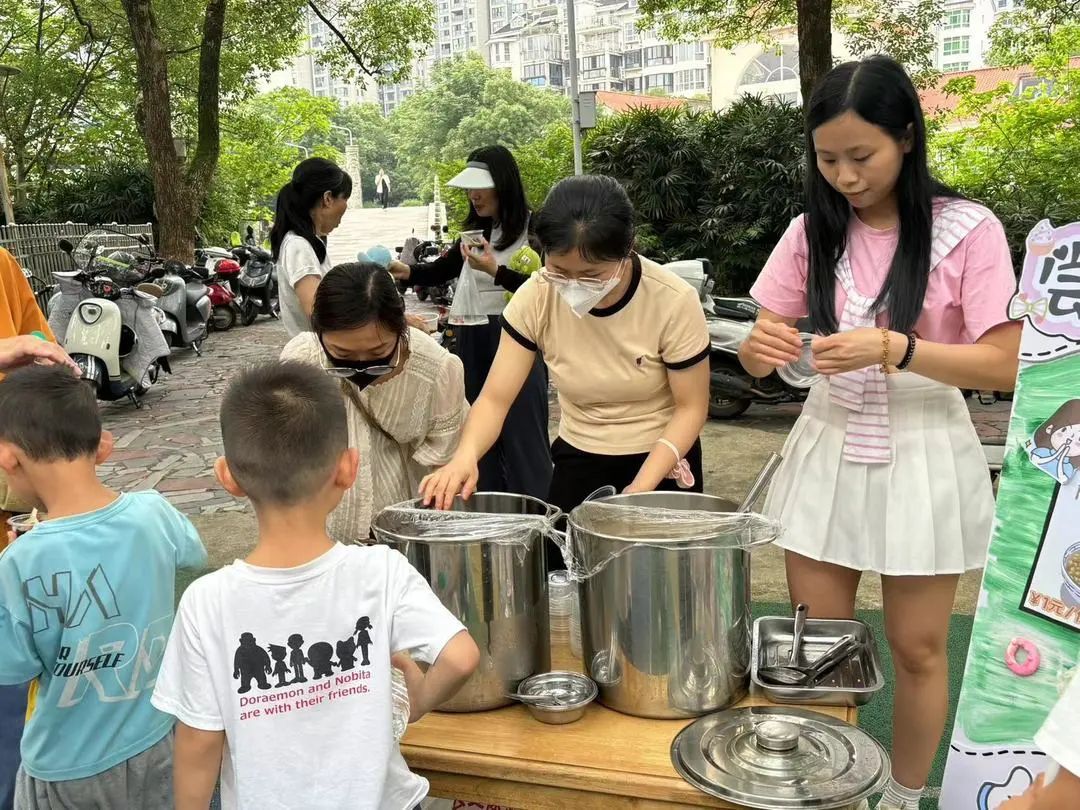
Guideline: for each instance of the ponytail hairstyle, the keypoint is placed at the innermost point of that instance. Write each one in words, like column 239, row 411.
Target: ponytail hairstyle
column 311, row 179
column 880, row 92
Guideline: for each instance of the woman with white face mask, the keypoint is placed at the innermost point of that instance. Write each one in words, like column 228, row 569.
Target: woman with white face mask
column 625, row 342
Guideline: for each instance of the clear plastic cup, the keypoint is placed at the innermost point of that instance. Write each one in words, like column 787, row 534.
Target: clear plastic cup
column 21, row 524
column 800, row 373
column 473, row 241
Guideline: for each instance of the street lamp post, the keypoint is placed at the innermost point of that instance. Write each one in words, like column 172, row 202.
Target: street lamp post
column 304, row 149
column 6, row 72
column 575, row 102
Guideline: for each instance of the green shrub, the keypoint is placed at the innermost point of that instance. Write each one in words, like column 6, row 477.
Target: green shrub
column 717, row 185
column 111, row 192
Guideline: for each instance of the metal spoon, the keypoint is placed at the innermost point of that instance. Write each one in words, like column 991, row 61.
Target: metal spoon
column 762, row 481
column 796, row 641
column 822, row 666
column 538, row 700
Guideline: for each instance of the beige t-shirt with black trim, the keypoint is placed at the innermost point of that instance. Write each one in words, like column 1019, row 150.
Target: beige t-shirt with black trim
column 611, row 366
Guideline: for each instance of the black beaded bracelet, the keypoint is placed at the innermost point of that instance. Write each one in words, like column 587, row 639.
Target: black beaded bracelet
column 909, row 354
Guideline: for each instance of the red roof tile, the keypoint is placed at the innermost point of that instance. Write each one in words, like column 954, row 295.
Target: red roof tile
column 935, row 100
column 622, row 102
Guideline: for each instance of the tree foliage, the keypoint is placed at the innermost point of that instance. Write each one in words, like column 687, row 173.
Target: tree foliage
column 1018, row 154
column 718, row 185
column 465, row 106
column 902, row 30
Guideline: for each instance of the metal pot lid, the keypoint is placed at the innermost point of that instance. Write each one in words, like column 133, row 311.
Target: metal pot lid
column 570, row 689
column 800, row 373
column 780, row 759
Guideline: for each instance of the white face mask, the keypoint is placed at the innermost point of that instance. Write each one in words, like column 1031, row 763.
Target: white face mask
column 582, row 298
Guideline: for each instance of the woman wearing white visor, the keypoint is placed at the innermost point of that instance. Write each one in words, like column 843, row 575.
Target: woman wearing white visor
column 519, row 461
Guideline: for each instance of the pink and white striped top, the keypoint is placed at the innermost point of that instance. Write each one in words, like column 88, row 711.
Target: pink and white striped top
column 967, row 294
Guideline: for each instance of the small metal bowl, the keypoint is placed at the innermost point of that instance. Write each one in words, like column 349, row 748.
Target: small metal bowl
column 573, row 690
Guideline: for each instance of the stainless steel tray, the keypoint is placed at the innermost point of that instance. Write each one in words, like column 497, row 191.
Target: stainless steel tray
column 853, row 683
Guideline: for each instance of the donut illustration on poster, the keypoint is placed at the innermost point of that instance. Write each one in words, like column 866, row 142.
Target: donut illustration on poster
column 1025, row 644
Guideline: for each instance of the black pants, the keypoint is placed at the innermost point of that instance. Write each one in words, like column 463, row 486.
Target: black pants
column 578, row 474
column 520, row 460
column 384, row 198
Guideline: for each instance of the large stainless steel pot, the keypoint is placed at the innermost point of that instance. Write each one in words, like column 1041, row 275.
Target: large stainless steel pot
column 665, row 631
column 498, row 589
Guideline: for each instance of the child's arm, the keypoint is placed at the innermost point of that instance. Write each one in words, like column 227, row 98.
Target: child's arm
column 196, row 764
column 457, row 661
column 1061, row 794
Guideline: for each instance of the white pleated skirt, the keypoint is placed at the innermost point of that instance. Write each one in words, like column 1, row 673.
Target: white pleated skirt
column 928, row 511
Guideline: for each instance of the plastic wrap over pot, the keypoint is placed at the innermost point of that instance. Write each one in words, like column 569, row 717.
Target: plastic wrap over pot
column 601, row 531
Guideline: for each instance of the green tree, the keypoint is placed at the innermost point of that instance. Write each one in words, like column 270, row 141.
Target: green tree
column 1018, row 154
column 871, row 26
column 256, row 158
column 468, row 105
column 178, row 64
column 42, row 109
column 371, row 133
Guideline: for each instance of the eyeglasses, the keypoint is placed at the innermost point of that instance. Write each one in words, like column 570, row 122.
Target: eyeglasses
column 344, row 372
column 594, row 284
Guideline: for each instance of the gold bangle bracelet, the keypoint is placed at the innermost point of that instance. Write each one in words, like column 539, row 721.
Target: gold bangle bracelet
column 884, row 350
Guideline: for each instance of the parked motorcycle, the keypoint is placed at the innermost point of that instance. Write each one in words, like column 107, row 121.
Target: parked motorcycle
column 225, row 311
column 185, row 302
column 731, row 389
column 112, row 332
column 257, row 284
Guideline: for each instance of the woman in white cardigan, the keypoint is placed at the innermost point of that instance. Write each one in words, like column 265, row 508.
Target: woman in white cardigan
column 404, row 393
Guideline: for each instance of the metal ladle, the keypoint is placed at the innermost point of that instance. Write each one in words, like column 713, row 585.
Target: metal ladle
column 809, row 676
column 762, row 481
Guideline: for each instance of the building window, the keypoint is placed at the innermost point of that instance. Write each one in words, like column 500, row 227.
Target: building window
column 693, row 52
column 955, row 67
column 660, row 81
column 632, row 59
column 773, row 66
column 1037, row 84
column 956, row 46
column 630, row 32
column 658, row 55
column 961, row 18
column 690, row 80
column 633, row 85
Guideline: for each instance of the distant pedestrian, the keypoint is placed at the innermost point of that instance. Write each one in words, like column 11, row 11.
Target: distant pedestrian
column 382, row 188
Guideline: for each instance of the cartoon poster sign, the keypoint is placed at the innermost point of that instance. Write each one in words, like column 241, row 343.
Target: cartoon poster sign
column 1025, row 642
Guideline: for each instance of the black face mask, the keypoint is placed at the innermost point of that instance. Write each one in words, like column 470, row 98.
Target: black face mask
column 365, row 371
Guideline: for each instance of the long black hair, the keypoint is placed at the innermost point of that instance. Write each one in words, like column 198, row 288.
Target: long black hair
column 590, row 213
column 513, row 207
column 310, row 180
column 880, row 92
column 355, row 294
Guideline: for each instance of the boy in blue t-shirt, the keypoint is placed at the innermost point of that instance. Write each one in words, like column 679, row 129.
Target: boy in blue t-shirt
column 86, row 605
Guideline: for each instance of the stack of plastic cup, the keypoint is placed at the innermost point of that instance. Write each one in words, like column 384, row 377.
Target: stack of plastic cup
column 560, row 599
column 575, row 625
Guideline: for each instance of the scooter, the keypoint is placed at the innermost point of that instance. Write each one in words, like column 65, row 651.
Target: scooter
column 226, row 311
column 731, row 389
column 186, row 304
column 112, row 333
column 257, row 284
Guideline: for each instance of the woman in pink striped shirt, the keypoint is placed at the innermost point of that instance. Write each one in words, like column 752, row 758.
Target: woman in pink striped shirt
column 907, row 285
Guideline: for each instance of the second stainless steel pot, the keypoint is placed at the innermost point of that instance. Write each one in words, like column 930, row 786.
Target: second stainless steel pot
column 496, row 586
column 665, row 631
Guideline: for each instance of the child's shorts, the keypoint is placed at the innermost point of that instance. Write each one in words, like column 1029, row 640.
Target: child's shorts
column 144, row 781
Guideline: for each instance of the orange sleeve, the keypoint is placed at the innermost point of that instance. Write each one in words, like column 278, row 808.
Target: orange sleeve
column 26, row 316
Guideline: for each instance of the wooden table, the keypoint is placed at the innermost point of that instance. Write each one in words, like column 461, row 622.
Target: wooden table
column 604, row 760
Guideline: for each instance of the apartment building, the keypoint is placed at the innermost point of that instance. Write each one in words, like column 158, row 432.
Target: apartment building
column 964, row 34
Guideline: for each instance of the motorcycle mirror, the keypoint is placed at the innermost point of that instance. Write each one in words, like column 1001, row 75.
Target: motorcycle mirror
column 65, row 246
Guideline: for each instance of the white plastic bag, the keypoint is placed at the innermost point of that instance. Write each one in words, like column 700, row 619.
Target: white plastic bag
column 466, row 310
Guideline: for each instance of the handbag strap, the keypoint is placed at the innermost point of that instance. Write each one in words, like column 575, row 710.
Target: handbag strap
column 354, row 396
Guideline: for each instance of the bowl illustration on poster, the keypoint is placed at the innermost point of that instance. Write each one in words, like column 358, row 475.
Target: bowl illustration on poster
column 1070, row 570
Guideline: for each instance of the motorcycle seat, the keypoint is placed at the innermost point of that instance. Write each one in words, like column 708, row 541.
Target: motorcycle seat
column 736, row 309
column 195, row 292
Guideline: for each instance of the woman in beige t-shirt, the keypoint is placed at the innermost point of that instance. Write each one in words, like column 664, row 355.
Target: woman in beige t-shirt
column 625, row 342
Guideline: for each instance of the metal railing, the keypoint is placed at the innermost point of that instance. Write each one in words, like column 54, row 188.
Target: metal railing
column 35, row 248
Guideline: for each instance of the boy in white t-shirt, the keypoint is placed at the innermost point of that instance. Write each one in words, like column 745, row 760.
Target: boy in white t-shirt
column 1059, row 787
column 279, row 666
